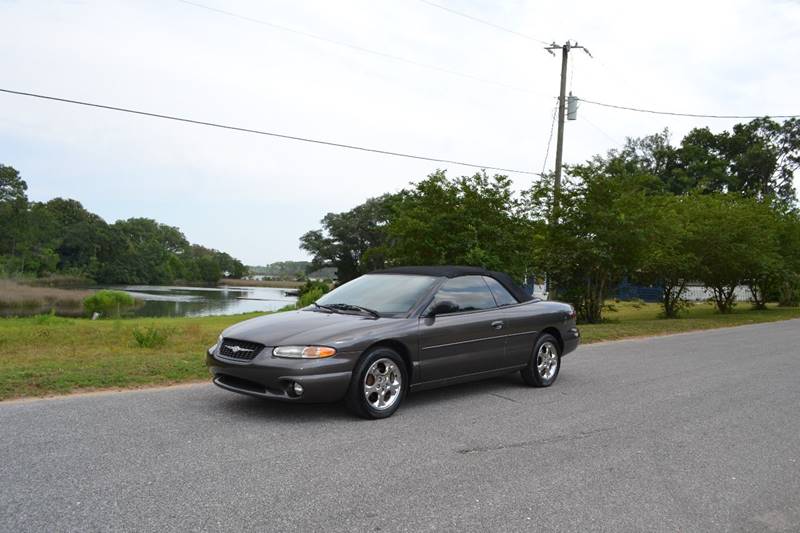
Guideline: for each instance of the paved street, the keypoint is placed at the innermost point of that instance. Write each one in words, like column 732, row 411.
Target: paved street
column 692, row 432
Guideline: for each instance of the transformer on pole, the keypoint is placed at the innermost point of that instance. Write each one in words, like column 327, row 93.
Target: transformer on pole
column 572, row 107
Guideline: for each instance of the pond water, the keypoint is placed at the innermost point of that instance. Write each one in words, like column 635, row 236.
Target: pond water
column 205, row 301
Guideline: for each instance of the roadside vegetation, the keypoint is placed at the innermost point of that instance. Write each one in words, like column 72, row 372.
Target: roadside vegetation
column 635, row 319
column 46, row 354
column 717, row 209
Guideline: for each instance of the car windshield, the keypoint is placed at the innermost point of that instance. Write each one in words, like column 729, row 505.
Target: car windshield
column 388, row 294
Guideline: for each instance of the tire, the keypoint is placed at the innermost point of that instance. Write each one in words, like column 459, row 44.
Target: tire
column 545, row 363
column 378, row 385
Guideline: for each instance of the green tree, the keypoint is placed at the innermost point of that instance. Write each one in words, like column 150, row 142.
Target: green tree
column 12, row 187
column 83, row 236
column 667, row 259
column 208, row 269
column 352, row 241
column 471, row 220
column 142, row 253
column 731, row 238
column 756, row 159
column 13, row 206
column 602, row 233
column 62, row 236
column 788, row 283
column 764, row 265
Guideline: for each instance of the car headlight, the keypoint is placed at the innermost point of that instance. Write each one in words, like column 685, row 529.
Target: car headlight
column 303, row 352
column 214, row 346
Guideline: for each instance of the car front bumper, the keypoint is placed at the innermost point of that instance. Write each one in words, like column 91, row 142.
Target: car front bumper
column 266, row 376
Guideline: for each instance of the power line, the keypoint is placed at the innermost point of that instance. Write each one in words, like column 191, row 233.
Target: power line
column 267, row 133
column 485, row 22
column 694, row 115
column 357, row 47
column 601, row 130
column 455, row 72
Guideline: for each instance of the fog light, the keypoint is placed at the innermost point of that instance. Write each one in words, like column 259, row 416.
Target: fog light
column 297, row 388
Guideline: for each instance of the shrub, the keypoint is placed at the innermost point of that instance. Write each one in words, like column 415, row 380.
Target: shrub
column 108, row 303
column 309, row 293
column 310, row 297
column 50, row 319
column 314, row 285
column 151, row 337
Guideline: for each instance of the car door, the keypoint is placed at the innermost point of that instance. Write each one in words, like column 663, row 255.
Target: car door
column 522, row 323
column 467, row 340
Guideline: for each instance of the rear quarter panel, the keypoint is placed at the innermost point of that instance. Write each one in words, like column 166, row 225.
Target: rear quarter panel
column 526, row 321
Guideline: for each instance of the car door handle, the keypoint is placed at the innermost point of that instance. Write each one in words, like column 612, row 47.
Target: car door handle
column 498, row 324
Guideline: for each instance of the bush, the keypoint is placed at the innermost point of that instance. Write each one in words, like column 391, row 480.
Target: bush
column 151, row 337
column 50, row 319
column 310, row 297
column 108, row 303
column 309, row 293
column 314, row 286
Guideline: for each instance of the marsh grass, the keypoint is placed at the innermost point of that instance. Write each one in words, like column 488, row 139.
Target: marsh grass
column 280, row 284
column 16, row 298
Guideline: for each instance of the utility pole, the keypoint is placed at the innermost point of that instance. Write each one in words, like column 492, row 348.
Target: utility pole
column 562, row 102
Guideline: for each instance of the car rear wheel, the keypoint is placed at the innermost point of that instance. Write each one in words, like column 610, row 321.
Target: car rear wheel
column 378, row 384
column 545, row 362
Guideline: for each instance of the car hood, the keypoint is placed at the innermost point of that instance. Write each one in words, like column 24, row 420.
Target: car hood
column 307, row 328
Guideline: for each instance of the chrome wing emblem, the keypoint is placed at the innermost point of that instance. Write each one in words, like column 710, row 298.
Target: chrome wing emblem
column 237, row 349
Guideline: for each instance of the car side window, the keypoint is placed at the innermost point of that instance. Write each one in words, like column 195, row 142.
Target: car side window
column 500, row 293
column 466, row 293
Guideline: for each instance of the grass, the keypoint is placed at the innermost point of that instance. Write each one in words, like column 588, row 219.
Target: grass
column 642, row 320
column 45, row 355
column 24, row 299
column 59, row 281
column 48, row 354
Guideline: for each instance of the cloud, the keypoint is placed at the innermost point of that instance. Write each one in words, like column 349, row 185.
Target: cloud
column 254, row 196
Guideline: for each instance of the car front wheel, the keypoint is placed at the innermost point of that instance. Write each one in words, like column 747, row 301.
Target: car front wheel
column 545, row 362
column 378, row 384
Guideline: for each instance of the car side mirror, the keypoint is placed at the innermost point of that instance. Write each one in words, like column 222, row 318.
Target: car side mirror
column 443, row 307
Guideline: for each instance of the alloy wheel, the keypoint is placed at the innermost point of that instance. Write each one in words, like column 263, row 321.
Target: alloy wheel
column 383, row 383
column 547, row 360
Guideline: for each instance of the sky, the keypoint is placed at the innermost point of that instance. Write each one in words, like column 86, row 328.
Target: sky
column 465, row 91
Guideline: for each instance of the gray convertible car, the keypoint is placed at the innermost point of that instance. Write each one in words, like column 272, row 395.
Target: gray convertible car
column 374, row 339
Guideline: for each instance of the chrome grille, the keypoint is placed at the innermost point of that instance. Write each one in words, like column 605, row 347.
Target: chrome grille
column 239, row 350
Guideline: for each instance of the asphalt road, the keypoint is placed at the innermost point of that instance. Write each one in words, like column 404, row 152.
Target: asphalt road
column 692, row 432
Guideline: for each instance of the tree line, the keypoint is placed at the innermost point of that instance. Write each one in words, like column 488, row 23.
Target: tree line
column 718, row 208
column 61, row 237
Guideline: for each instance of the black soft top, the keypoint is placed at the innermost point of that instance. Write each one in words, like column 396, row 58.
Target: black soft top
column 448, row 271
